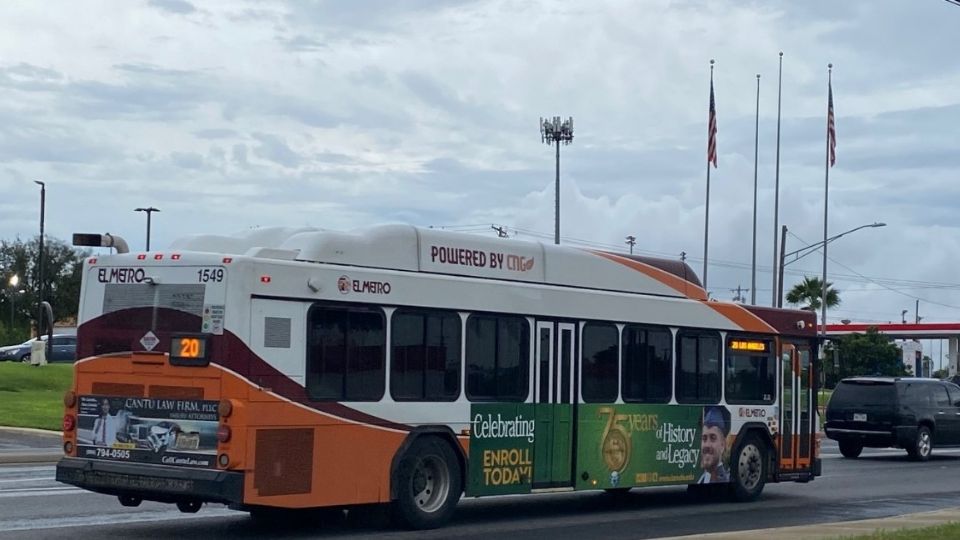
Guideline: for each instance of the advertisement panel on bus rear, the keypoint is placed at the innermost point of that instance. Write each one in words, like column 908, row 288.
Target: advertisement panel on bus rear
column 148, row 430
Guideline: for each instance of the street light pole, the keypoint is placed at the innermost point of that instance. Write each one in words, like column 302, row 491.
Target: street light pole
column 149, row 210
column 556, row 132
column 804, row 251
column 41, row 285
column 12, row 285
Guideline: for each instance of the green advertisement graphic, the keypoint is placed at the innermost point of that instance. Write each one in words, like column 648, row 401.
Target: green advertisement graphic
column 647, row 445
column 515, row 447
column 501, row 449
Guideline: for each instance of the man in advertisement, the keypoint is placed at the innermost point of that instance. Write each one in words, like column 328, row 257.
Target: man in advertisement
column 107, row 426
column 713, row 445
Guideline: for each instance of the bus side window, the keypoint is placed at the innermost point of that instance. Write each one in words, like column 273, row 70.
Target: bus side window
column 498, row 363
column 647, row 358
column 345, row 353
column 425, row 355
column 698, row 370
column 599, row 363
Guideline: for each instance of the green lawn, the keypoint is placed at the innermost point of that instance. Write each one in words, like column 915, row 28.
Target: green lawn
column 823, row 396
column 32, row 396
column 940, row 532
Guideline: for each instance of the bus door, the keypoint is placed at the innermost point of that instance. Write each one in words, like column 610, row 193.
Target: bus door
column 554, row 398
column 796, row 407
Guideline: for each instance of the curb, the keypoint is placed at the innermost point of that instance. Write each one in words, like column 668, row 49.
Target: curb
column 840, row 529
column 34, row 457
column 33, row 431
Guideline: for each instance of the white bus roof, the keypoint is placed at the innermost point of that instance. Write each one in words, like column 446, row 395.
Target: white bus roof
column 408, row 248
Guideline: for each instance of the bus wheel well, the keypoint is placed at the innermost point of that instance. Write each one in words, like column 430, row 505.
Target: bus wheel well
column 443, row 433
column 760, row 431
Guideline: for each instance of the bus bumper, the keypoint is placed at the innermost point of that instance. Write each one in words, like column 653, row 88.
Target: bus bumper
column 149, row 482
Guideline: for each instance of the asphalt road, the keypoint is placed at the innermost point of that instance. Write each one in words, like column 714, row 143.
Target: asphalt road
column 879, row 484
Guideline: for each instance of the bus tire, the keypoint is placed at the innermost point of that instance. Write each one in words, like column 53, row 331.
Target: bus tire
column 922, row 446
column 428, row 484
column 749, row 469
column 850, row 449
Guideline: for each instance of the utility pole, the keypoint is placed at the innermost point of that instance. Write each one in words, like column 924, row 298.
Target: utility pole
column 501, row 231
column 41, row 290
column 740, row 291
column 683, row 256
column 631, row 241
column 917, row 311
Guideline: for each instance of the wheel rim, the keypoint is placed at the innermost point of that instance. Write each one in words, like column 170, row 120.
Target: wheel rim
column 923, row 444
column 749, row 467
column 430, row 484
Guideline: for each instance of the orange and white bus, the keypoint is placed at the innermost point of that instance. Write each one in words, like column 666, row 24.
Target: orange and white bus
column 302, row 368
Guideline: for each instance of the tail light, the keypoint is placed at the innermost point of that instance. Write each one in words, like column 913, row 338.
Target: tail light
column 69, row 399
column 225, row 408
column 68, row 448
column 223, row 433
column 69, row 422
column 223, row 460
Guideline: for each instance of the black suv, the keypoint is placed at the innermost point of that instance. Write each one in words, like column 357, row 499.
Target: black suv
column 906, row 412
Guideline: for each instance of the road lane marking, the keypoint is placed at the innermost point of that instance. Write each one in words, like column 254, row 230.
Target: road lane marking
column 125, row 517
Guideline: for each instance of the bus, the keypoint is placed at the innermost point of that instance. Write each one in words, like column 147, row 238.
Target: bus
column 300, row 368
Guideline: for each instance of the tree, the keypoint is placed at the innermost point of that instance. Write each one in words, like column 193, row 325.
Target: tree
column 62, row 268
column 810, row 291
column 870, row 353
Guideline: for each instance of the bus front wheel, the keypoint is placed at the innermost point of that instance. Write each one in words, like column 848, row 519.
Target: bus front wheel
column 749, row 473
column 428, row 484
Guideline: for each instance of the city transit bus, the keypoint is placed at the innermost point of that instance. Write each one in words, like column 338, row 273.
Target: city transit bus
column 303, row 368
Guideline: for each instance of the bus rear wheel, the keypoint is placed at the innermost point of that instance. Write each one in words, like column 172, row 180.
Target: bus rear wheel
column 749, row 473
column 428, row 484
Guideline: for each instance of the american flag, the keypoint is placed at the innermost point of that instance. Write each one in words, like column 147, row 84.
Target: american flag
column 712, row 130
column 831, row 127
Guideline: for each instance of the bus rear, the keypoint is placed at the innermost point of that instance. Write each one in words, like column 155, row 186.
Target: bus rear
column 143, row 419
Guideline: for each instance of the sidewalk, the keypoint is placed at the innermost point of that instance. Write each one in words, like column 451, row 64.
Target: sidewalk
column 838, row 529
column 22, row 445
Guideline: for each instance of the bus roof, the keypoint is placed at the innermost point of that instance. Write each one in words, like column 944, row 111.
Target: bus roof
column 414, row 249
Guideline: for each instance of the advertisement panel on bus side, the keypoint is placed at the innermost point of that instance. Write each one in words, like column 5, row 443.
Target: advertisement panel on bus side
column 179, row 432
column 517, row 447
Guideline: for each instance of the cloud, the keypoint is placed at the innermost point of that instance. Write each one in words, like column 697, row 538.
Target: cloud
column 180, row 7
column 275, row 149
column 426, row 112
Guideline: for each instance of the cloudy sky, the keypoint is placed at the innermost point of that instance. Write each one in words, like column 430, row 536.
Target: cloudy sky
column 231, row 115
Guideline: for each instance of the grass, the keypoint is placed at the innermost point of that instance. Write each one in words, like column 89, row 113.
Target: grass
column 823, row 396
column 32, row 396
column 949, row 531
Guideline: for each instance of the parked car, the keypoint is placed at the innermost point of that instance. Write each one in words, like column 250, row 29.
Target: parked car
column 915, row 414
column 64, row 349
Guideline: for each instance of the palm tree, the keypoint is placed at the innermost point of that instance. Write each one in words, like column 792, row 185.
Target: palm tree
column 809, row 292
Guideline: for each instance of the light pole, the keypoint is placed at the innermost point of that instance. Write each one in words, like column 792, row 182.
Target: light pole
column 14, row 280
column 804, row 251
column 40, row 287
column 556, row 132
column 149, row 210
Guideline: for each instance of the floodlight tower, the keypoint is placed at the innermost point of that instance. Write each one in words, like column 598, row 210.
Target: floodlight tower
column 556, row 132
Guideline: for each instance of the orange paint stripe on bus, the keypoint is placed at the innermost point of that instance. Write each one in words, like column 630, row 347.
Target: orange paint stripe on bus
column 680, row 285
column 741, row 317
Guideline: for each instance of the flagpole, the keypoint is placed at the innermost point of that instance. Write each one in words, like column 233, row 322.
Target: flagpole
column 756, row 150
column 776, row 189
column 706, row 215
column 826, row 193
